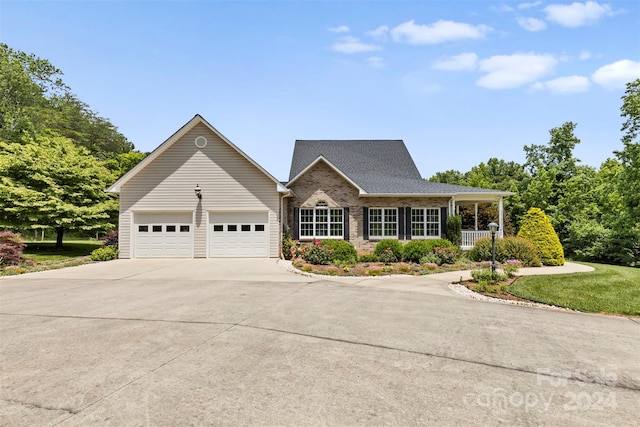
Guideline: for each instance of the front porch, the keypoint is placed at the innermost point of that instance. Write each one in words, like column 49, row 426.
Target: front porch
column 474, row 222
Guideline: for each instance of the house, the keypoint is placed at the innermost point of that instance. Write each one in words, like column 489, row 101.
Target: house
column 234, row 211
column 365, row 191
column 199, row 196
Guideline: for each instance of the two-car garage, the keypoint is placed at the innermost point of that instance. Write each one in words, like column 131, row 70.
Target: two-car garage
column 229, row 234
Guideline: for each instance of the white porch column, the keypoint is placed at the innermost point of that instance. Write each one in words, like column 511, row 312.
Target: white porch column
column 453, row 206
column 500, row 217
column 476, row 217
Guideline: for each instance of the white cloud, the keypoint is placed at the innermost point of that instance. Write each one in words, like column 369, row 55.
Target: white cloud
column 564, row 85
column 464, row 61
column 584, row 55
column 617, row 75
column 438, row 32
column 531, row 24
column 511, row 71
column 350, row 44
column 376, row 62
column 529, row 5
column 379, row 33
column 577, row 14
column 503, row 8
column 340, row 29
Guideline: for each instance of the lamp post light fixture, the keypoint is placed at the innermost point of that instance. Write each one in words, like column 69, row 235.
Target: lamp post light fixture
column 493, row 228
column 198, row 191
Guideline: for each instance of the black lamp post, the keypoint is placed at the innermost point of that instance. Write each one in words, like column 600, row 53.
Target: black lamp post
column 493, row 227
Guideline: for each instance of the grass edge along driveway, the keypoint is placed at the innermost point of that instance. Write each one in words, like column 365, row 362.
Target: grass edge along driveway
column 609, row 289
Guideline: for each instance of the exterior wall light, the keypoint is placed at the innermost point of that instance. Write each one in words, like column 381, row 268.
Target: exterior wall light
column 198, row 191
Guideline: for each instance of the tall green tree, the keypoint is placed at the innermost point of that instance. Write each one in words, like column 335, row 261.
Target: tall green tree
column 34, row 99
column 552, row 166
column 50, row 183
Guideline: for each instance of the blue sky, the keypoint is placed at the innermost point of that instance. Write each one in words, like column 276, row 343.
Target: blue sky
column 458, row 81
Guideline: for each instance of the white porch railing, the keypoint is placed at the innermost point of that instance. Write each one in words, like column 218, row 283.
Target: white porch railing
column 469, row 237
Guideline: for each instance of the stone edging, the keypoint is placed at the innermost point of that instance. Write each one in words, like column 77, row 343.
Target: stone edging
column 464, row 291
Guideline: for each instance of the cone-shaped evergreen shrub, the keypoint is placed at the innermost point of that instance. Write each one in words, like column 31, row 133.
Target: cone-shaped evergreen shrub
column 537, row 227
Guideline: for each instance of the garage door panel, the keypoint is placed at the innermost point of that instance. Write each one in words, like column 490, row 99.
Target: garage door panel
column 239, row 240
column 163, row 235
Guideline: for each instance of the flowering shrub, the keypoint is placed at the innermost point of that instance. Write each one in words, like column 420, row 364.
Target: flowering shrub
column 430, row 265
column 317, row 253
column 394, row 252
column 446, row 255
column 387, row 256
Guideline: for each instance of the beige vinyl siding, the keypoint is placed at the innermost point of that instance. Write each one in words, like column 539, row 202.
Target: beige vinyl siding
column 228, row 180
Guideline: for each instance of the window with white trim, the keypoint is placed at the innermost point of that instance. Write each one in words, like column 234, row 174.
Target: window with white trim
column 321, row 222
column 383, row 222
column 425, row 223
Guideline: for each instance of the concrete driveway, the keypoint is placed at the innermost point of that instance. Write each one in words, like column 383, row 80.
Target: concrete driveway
column 237, row 342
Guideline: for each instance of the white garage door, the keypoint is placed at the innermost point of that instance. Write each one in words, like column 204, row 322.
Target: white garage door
column 238, row 234
column 163, row 235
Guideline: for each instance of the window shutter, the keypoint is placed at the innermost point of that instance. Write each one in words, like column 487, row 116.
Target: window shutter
column 443, row 223
column 295, row 233
column 407, row 230
column 365, row 223
column 345, row 227
column 401, row 223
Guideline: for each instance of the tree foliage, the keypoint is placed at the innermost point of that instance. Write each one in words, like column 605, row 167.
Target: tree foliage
column 57, row 156
column 49, row 182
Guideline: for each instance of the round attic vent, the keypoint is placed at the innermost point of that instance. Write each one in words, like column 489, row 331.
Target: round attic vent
column 201, row 142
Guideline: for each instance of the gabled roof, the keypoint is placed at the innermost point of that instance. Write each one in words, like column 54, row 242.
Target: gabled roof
column 197, row 119
column 376, row 167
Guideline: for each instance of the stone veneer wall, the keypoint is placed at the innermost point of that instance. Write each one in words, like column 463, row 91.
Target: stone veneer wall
column 322, row 183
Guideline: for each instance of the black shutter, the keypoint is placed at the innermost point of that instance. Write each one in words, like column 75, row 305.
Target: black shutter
column 295, row 233
column 407, row 230
column 345, row 227
column 401, row 223
column 443, row 223
column 365, row 223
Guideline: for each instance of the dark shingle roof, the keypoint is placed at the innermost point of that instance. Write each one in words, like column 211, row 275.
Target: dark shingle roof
column 376, row 166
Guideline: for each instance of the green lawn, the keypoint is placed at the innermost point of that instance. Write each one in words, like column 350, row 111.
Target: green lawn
column 42, row 252
column 608, row 289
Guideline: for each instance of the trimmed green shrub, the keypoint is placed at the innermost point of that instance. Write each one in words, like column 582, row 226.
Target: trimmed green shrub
column 537, row 227
column 388, row 250
column 105, row 253
column 340, row 251
column 508, row 248
column 521, row 249
column 481, row 250
column 415, row 250
column 454, row 229
column 368, row 258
